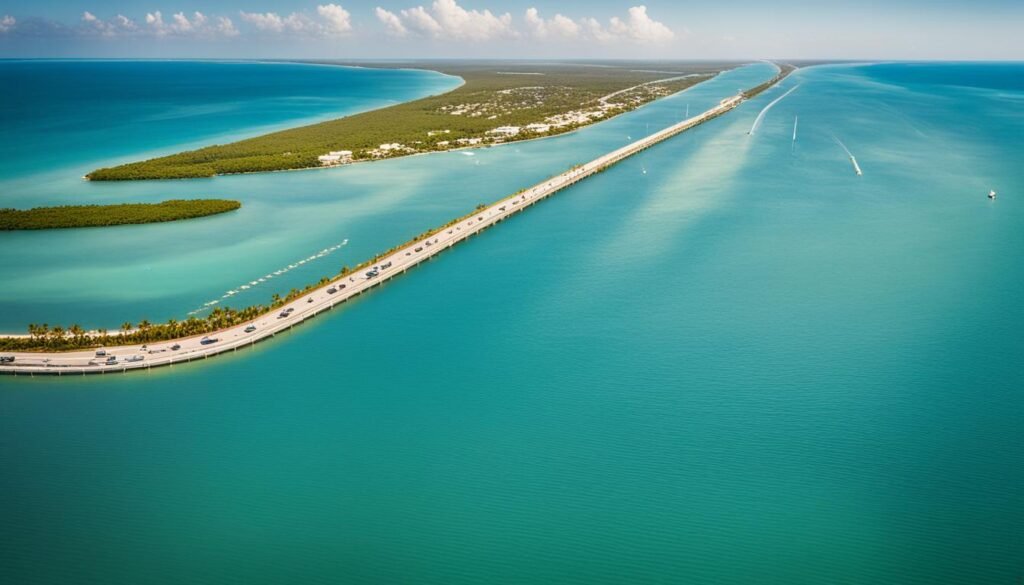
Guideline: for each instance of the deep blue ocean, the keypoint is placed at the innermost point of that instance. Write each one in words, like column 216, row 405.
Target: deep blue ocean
column 729, row 359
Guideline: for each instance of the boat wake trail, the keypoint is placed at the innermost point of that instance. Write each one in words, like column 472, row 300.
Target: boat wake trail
column 760, row 116
column 853, row 159
column 253, row 283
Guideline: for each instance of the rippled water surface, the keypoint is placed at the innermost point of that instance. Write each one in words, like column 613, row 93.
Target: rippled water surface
column 729, row 359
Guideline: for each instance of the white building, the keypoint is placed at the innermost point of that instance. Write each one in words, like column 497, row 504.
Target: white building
column 505, row 131
column 335, row 157
column 538, row 127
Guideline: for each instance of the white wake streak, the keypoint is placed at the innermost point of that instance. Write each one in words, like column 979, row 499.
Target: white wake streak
column 760, row 116
column 853, row 159
column 268, row 276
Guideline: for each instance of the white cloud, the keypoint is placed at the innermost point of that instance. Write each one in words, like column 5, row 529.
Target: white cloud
column 596, row 31
column 419, row 20
column 637, row 27
column 119, row 25
column 641, row 28
column 392, row 22
column 558, row 26
column 196, row 26
column 334, row 20
column 7, row 23
column 225, row 27
column 447, row 20
column 264, row 21
column 338, row 20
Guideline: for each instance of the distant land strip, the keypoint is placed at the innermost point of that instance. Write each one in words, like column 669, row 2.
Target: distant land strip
column 78, row 216
column 491, row 107
column 55, row 350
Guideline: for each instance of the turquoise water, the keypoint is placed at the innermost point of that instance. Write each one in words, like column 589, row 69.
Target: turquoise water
column 746, row 365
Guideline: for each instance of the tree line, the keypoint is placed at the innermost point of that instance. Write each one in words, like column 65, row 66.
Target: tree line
column 76, row 216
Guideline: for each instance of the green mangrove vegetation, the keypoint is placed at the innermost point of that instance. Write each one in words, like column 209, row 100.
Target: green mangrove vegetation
column 46, row 338
column 76, row 216
column 494, row 95
column 784, row 70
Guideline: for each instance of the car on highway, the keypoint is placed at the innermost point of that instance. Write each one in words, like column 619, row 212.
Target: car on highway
column 6, row 359
column 208, row 341
column 332, row 290
column 135, row 358
column 176, row 347
column 112, row 360
column 101, row 352
column 250, row 329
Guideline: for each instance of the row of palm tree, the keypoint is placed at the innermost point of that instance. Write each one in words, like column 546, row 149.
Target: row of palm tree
column 43, row 337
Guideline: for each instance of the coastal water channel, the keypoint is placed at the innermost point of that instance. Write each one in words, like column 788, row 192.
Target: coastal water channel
column 729, row 359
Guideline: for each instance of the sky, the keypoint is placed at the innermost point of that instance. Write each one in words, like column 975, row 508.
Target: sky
column 516, row 29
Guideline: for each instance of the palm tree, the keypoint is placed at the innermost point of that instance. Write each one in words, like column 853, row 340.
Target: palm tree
column 57, row 335
column 77, row 333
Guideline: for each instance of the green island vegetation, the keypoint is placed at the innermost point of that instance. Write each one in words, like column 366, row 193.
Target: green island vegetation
column 43, row 337
column 552, row 97
column 784, row 70
column 46, row 338
column 76, row 216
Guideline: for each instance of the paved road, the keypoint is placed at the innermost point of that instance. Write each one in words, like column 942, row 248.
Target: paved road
column 131, row 357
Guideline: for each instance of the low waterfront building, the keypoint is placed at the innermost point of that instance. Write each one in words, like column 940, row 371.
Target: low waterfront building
column 335, row 157
column 505, row 131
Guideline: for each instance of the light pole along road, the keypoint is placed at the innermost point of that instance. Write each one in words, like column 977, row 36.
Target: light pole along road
column 324, row 298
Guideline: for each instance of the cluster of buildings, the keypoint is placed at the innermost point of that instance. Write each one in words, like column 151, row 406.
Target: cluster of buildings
column 335, row 157
column 390, row 149
column 573, row 118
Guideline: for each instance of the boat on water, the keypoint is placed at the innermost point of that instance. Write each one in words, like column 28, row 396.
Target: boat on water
column 991, row 194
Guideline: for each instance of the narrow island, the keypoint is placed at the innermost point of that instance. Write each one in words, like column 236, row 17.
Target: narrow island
column 78, row 216
column 56, row 350
column 227, row 329
column 498, row 103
